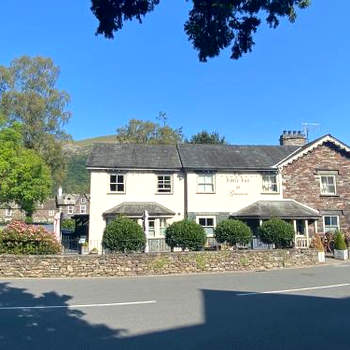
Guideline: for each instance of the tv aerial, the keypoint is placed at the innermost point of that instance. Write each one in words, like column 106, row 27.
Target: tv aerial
column 308, row 128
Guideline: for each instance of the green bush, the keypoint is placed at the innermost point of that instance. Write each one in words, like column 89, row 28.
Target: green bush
column 278, row 232
column 124, row 235
column 185, row 234
column 339, row 241
column 68, row 224
column 233, row 232
column 20, row 238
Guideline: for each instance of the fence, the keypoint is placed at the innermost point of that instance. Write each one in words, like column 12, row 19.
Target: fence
column 156, row 245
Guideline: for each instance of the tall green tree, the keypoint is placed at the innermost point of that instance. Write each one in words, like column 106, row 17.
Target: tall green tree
column 207, row 138
column 212, row 26
column 29, row 95
column 139, row 131
column 24, row 177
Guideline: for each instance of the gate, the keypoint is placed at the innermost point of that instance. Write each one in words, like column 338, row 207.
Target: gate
column 70, row 244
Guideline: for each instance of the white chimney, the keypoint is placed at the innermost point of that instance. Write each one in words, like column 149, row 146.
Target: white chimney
column 60, row 191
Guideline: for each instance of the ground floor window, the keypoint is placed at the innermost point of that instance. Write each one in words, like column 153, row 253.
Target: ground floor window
column 151, row 227
column 331, row 223
column 208, row 223
column 162, row 225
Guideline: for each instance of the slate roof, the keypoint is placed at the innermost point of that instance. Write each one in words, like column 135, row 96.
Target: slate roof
column 285, row 209
column 138, row 209
column 190, row 156
column 107, row 155
column 231, row 156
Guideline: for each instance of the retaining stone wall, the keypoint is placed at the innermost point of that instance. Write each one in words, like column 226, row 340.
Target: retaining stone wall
column 151, row 264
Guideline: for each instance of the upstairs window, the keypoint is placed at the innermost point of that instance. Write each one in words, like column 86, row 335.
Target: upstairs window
column 269, row 183
column 205, row 183
column 51, row 213
column 83, row 209
column 8, row 212
column 331, row 223
column 328, row 186
column 70, row 210
column 117, row 183
column 82, row 200
column 164, row 184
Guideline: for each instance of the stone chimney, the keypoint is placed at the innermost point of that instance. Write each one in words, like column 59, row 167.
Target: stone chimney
column 292, row 138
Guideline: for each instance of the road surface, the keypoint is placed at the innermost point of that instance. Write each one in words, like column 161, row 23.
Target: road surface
column 283, row 309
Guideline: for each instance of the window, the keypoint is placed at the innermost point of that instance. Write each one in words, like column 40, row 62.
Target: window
column 83, row 209
column 269, row 183
column 164, row 183
column 117, row 183
column 151, row 227
column 8, row 212
column 207, row 223
column 328, row 185
column 70, row 209
column 331, row 223
column 163, row 225
column 205, row 183
column 82, row 200
column 51, row 213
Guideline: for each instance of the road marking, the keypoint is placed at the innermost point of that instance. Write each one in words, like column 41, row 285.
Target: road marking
column 330, row 286
column 77, row 306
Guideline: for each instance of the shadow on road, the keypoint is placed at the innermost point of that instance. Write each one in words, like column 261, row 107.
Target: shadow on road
column 231, row 322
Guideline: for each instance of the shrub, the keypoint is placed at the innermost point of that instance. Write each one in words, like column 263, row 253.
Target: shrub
column 20, row 238
column 233, row 232
column 185, row 234
column 339, row 241
column 124, row 235
column 68, row 224
column 316, row 243
column 278, row 232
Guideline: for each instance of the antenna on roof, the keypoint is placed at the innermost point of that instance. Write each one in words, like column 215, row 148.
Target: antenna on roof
column 308, row 127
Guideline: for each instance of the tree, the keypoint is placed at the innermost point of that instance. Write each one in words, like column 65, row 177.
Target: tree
column 233, row 232
column 139, row 131
column 76, row 179
column 28, row 95
column 24, row 176
column 212, row 25
column 185, row 234
column 278, row 232
column 205, row 137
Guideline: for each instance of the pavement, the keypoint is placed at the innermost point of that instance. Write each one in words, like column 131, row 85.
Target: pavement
column 305, row 308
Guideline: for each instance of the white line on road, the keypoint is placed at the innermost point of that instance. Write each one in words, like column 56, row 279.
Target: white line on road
column 77, row 306
column 330, row 286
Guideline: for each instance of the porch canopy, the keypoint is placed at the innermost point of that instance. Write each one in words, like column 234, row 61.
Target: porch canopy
column 284, row 209
column 137, row 210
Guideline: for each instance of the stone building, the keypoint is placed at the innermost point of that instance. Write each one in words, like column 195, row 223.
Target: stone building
column 72, row 204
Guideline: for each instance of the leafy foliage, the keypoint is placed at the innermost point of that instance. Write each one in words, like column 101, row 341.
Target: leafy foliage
column 139, row 131
column 124, row 235
column 233, row 232
column 278, row 232
column 76, row 179
column 28, row 95
column 204, row 137
column 68, row 224
column 185, row 234
column 316, row 243
column 20, row 238
column 212, row 25
column 339, row 241
column 25, row 178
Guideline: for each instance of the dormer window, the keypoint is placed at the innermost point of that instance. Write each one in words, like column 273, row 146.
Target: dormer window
column 117, row 183
column 269, row 183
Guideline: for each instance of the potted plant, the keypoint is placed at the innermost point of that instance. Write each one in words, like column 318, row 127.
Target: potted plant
column 84, row 248
column 317, row 244
column 340, row 248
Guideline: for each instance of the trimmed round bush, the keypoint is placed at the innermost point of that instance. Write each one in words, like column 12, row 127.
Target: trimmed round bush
column 20, row 238
column 339, row 241
column 124, row 235
column 278, row 232
column 185, row 234
column 68, row 224
column 233, row 232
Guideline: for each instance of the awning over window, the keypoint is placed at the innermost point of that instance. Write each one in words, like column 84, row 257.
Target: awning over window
column 137, row 209
column 284, row 209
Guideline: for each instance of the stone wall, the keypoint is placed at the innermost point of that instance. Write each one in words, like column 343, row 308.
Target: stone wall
column 301, row 181
column 152, row 264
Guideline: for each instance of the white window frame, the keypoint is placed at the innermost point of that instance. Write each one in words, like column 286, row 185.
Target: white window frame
column 51, row 212
column 116, row 183
column 271, row 183
column 205, row 183
column 334, row 183
column 163, row 224
column 70, row 209
column 82, row 200
column 162, row 182
column 198, row 218
column 85, row 209
column 8, row 212
column 324, row 223
column 152, row 232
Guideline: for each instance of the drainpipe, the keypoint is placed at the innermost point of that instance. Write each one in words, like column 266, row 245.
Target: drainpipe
column 185, row 195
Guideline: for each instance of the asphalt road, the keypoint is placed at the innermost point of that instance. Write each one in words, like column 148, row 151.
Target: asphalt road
column 284, row 309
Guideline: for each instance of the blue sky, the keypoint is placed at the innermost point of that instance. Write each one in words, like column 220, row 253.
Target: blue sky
column 296, row 73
